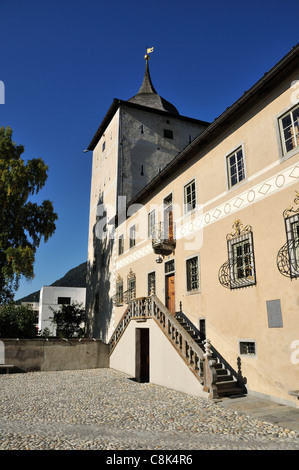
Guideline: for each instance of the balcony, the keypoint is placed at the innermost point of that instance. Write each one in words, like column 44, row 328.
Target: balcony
column 163, row 239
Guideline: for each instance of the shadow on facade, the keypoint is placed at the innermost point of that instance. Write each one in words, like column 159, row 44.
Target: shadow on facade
column 99, row 280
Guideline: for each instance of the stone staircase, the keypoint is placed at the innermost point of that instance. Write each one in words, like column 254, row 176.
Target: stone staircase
column 197, row 353
column 226, row 384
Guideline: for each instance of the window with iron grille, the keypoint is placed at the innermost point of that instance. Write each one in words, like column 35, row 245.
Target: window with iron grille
column 131, row 280
column 289, row 130
column 169, row 266
column 192, row 273
column 151, row 283
column 119, row 291
column 292, row 232
column 235, row 167
column 241, row 258
column 190, row 196
column 247, row 348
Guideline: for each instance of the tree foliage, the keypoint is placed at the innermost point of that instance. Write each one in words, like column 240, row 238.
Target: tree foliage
column 17, row 322
column 69, row 320
column 23, row 223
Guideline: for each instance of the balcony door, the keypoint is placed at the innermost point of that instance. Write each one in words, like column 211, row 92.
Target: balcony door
column 168, row 218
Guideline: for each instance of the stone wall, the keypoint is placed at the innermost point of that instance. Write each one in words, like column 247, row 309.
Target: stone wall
column 42, row 354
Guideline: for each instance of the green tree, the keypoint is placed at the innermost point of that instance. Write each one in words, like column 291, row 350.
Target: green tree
column 17, row 322
column 23, row 223
column 69, row 320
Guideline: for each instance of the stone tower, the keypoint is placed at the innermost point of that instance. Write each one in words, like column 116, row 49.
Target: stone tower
column 136, row 139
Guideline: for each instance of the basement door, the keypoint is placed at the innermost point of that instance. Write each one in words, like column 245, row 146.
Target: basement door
column 142, row 355
column 170, row 292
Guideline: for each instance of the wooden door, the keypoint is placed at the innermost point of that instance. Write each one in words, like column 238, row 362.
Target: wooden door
column 142, row 355
column 170, row 292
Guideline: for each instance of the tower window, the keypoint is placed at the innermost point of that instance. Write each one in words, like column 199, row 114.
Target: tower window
column 168, row 134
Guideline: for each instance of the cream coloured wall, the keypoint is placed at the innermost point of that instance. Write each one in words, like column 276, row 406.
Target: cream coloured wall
column 259, row 201
column 167, row 368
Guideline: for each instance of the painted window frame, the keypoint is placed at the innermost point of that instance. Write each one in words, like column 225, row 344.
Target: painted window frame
column 121, row 244
column 244, row 342
column 232, row 246
column 187, row 208
column 191, row 290
column 132, row 241
column 149, row 284
column 151, row 222
column 289, row 112
column 131, row 285
column 119, row 291
column 234, row 152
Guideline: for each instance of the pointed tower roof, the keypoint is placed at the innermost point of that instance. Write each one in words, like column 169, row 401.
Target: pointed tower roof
column 147, row 95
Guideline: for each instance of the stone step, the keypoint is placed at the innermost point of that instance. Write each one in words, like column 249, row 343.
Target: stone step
column 222, row 373
column 224, row 378
column 225, row 392
column 227, row 384
column 218, row 366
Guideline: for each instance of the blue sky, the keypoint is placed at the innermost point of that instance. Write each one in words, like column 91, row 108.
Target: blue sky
column 63, row 62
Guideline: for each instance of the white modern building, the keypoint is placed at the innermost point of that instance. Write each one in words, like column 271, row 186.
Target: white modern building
column 51, row 297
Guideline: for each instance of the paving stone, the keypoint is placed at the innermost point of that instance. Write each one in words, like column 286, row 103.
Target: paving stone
column 103, row 409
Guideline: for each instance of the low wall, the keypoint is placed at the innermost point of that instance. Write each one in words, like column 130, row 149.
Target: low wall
column 42, row 354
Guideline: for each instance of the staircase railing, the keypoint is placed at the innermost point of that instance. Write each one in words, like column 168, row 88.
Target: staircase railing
column 198, row 360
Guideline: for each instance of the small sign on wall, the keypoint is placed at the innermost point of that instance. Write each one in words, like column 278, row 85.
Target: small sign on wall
column 274, row 314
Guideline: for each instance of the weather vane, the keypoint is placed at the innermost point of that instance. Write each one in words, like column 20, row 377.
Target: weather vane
column 148, row 51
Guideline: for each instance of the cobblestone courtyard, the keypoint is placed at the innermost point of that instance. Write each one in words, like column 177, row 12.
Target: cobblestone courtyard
column 103, row 409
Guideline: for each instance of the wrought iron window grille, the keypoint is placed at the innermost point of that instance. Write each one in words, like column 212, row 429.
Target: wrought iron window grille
column 247, row 348
column 151, row 278
column 239, row 270
column 192, row 273
column 130, row 293
column 288, row 254
column 118, row 298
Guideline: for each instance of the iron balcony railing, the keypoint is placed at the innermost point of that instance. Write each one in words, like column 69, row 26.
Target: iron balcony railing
column 163, row 238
